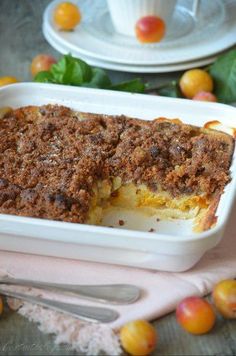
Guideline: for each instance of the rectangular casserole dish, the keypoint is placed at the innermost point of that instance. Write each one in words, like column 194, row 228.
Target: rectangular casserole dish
column 173, row 246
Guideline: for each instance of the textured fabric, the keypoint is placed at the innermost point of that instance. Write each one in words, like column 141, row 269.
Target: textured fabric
column 161, row 290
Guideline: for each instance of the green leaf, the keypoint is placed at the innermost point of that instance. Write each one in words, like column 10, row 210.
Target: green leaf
column 43, row 77
column 57, row 70
column 100, row 79
column 171, row 89
column 133, row 86
column 72, row 71
column 223, row 72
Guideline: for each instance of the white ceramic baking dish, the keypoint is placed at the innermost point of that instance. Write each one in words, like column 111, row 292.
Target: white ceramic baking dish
column 173, row 246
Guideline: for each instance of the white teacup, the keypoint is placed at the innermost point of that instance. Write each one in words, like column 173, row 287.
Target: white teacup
column 125, row 13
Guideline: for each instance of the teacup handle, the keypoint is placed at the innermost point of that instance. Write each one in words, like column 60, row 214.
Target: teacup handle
column 195, row 8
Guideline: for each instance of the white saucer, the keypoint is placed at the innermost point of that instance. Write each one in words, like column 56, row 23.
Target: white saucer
column 95, row 37
column 125, row 67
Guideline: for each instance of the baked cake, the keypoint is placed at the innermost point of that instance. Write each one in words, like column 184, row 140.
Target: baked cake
column 59, row 164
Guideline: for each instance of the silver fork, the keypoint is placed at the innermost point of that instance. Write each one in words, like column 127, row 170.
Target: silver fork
column 113, row 293
column 82, row 312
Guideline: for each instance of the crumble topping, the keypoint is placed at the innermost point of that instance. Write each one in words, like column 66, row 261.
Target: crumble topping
column 51, row 157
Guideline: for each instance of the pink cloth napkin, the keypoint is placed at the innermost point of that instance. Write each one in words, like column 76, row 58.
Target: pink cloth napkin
column 161, row 290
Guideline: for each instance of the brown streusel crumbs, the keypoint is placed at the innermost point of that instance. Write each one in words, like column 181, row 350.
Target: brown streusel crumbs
column 51, row 157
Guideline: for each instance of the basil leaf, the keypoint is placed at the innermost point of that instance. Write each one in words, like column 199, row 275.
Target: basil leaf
column 223, row 72
column 72, row 71
column 133, row 86
column 43, row 77
column 100, row 79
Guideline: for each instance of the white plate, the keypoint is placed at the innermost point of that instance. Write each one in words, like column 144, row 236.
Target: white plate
column 173, row 247
column 64, row 49
column 214, row 31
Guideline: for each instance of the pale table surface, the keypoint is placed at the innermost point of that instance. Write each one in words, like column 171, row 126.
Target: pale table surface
column 20, row 40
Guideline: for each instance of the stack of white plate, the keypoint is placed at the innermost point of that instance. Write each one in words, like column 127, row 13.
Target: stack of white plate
column 190, row 42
